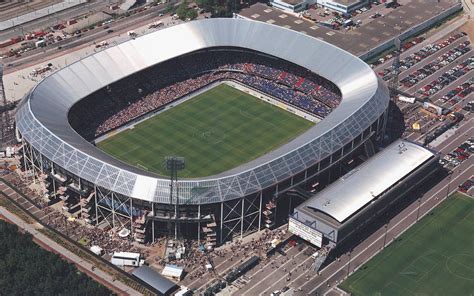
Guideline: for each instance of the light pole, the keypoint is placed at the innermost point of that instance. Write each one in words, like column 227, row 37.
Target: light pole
column 418, row 211
column 449, row 183
column 349, row 263
column 385, row 236
column 174, row 164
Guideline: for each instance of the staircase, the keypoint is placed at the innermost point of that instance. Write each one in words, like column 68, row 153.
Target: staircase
column 87, row 206
column 210, row 233
column 139, row 228
column 269, row 214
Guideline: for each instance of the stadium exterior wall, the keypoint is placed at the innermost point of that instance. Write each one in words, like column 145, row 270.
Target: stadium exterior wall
column 42, row 117
column 237, row 196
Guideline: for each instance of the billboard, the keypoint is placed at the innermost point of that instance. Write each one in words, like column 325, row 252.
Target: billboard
column 306, row 232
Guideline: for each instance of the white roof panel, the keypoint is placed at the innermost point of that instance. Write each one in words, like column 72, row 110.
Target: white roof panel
column 360, row 186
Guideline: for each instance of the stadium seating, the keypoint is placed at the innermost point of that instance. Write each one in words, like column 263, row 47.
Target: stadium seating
column 145, row 92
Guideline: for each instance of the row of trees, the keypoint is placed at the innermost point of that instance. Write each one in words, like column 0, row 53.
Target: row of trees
column 217, row 8
column 185, row 12
column 27, row 269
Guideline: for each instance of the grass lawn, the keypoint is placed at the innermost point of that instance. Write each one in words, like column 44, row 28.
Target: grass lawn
column 434, row 257
column 215, row 131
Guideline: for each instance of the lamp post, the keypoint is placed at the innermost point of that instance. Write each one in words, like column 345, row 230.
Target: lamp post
column 349, row 263
column 418, row 211
column 449, row 183
column 174, row 164
column 385, row 236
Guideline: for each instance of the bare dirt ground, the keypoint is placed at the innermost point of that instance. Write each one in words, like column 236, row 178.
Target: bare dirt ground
column 469, row 29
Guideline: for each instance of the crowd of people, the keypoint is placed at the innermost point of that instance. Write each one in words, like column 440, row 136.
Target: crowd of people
column 89, row 235
column 237, row 251
column 157, row 86
column 106, row 238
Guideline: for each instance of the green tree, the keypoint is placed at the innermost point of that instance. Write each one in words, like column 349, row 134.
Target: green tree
column 182, row 10
column 27, row 269
column 191, row 14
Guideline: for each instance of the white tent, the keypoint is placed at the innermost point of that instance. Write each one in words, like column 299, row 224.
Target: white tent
column 172, row 271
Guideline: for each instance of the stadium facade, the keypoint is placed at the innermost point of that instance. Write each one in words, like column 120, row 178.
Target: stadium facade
column 214, row 208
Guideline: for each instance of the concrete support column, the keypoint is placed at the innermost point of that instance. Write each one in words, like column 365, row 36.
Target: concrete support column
column 199, row 224
column 260, row 212
column 242, row 219
column 153, row 222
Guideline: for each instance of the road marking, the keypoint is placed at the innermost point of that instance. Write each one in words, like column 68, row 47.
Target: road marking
column 277, row 269
column 290, row 283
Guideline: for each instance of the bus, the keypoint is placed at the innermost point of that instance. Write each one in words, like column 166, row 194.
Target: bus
column 127, row 259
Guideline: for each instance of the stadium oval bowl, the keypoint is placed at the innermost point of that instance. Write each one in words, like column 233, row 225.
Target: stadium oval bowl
column 43, row 123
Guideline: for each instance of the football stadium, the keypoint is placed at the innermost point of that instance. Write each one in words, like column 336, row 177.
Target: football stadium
column 204, row 130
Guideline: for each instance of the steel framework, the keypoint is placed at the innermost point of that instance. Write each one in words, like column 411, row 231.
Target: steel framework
column 42, row 117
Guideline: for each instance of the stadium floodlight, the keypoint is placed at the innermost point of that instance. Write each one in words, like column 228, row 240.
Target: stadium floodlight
column 174, row 164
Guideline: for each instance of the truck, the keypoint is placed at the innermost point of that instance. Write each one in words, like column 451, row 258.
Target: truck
column 127, row 259
column 348, row 23
column 410, row 100
column 40, row 43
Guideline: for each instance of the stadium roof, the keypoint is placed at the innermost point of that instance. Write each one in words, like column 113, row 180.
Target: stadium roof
column 154, row 279
column 362, row 185
column 43, row 122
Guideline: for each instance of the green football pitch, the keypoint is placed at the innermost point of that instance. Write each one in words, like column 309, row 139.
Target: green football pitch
column 217, row 130
column 434, row 257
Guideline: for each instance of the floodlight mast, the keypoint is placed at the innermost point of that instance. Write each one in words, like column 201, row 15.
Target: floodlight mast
column 393, row 85
column 174, row 164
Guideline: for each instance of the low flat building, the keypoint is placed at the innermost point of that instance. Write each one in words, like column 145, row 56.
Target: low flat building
column 343, row 6
column 162, row 285
column 292, row 5
column 363, row 194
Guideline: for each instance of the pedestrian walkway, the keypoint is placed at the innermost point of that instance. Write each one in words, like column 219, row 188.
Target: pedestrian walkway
column 88, row 268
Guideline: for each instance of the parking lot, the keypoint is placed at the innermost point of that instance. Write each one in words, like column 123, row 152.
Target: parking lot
column 441, row 73
column 459, row 155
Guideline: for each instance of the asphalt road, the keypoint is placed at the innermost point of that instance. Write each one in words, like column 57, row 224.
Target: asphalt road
column 119, row 27
column 95, row 5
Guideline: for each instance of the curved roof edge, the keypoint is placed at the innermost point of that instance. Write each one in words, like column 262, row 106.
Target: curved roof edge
column 42, row 120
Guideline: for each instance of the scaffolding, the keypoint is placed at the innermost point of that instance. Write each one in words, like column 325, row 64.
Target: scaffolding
column 7, row 134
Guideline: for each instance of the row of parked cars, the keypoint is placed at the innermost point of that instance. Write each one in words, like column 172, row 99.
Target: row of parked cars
column 460, row 92
column 447, row 77
column 405, row 46
column 434, row 66
column 422, row 54
column 460, row 154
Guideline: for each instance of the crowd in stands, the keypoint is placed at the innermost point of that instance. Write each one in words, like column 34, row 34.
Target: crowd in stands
column 155, row 87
